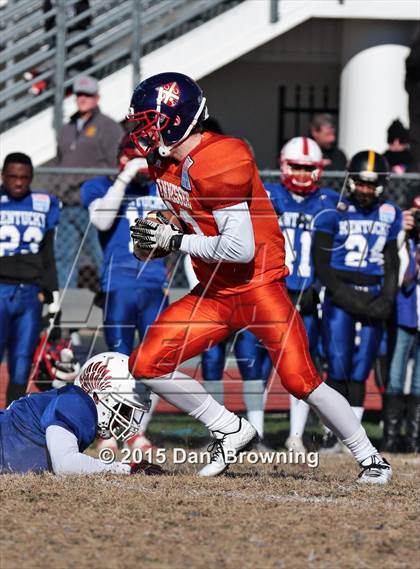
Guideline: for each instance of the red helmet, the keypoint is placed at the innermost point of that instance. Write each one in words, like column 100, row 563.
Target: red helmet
column 54, row 365
column 303, row 154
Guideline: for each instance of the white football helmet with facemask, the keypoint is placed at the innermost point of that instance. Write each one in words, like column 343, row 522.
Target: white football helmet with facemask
column 120, row 401
column 301, row 165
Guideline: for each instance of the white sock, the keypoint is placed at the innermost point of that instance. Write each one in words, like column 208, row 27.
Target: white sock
column 147, row 416
column 299, row 411
column 256, row 418
column 253, row 392
column 190, row 396
column 216, row 417
column 360, row 445
column 335, row 411
column 215, row 388
column 358, row 411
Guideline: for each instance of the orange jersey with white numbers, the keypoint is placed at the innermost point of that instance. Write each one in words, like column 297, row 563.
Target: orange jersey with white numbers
column 218, row 173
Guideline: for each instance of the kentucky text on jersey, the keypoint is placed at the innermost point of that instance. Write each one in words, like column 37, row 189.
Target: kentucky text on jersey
column 22, row 218
column 296, row 219
column 361, row 226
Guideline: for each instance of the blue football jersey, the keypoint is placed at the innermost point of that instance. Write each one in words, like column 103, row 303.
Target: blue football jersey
column 120, row 267
column 24, row 423
column 296, row 219
column 360, row 236
column 24, row 222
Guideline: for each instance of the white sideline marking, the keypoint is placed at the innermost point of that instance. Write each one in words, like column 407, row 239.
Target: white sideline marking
column 239, row 495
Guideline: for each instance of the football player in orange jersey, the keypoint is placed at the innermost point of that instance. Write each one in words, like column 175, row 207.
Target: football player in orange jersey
column 211, row 183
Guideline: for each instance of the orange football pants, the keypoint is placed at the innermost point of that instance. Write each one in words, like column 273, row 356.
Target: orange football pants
column 195, row 322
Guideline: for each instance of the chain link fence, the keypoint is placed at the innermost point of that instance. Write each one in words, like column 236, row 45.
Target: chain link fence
column 78, row 252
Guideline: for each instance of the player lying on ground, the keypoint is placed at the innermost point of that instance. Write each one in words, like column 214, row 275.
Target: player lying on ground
column 50, row 430
column 212, row 185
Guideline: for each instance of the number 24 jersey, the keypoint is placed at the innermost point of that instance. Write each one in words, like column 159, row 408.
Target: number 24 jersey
column 360, row 236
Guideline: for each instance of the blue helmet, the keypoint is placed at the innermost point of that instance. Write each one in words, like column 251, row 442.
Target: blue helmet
column 165, row 108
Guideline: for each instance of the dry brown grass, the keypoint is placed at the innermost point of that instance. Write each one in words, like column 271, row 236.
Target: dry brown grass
column 256, row 517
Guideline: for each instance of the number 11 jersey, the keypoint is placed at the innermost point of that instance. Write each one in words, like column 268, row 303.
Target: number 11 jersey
column 297, row 217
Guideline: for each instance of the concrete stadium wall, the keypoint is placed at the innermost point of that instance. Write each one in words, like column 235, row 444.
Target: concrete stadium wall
column 249, row 108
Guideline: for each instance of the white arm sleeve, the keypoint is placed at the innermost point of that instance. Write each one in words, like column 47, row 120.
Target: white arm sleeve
column 103, row 211
column 189, row 272
column 66, row 458
column 235, row 244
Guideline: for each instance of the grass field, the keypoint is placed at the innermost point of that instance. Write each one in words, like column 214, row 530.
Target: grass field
column 261, row 516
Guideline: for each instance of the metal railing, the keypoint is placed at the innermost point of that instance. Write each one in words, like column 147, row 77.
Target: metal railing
column 399, row 188
column 274, row 11
column 56, row 41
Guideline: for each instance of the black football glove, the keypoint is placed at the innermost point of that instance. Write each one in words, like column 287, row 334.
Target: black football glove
column 353, row 301
column 380, row 308
column 99, row 300
column 147, row 468
column 305, row 302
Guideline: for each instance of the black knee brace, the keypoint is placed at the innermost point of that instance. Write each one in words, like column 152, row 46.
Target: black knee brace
column 357, row 392
column 339, row 385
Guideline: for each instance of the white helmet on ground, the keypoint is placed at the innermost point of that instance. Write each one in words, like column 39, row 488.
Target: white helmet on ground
column 121, row 401
column 301, row 165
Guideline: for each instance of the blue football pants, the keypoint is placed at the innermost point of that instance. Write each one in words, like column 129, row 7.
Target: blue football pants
column 130, row 309
column 20, row 326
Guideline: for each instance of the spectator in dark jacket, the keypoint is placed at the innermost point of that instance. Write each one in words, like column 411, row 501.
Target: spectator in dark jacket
column 89, row 140
column 398, row 154
column 412, row 85
column 323, row 131
column 405, row 343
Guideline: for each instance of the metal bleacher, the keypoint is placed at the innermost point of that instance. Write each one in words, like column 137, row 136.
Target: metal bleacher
column 55, row 40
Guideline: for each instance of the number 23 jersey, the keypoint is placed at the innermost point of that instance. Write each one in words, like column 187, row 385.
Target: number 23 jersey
column 218, row 173
column 360, row 236
column 24, row 222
